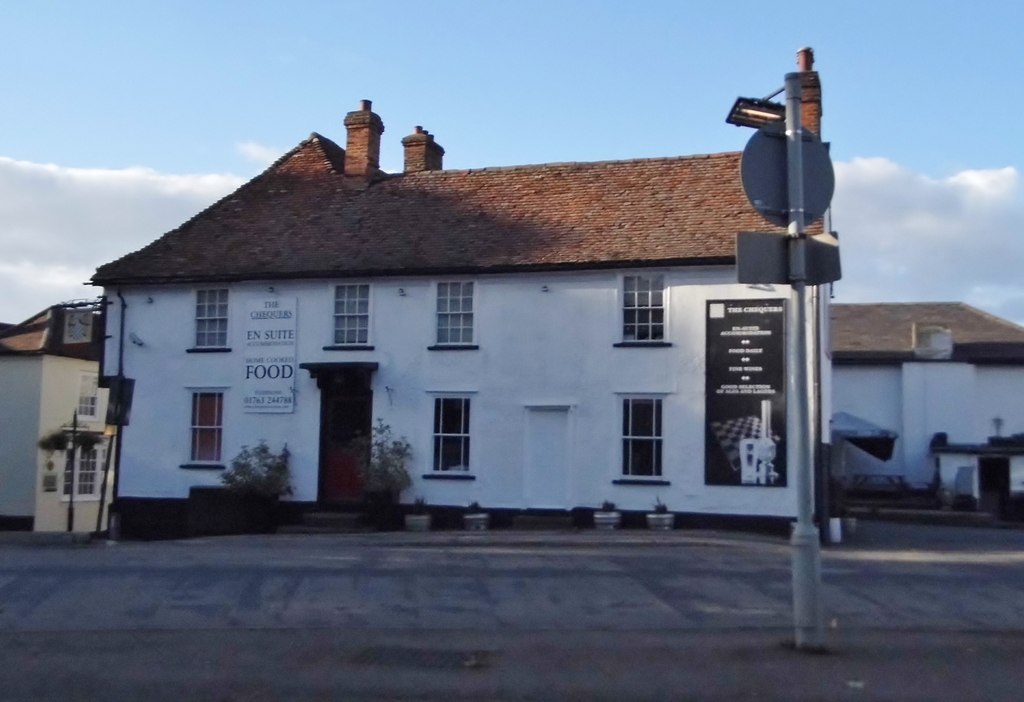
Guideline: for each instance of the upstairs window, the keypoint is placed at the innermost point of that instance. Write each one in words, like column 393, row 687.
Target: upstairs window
column 454, row 313
column 641, row 437
column 88, row 396
column 643, row 308
column 212, row 318
column 451, row 433
column 207, row 426
column 77, row 326
column 351, row 314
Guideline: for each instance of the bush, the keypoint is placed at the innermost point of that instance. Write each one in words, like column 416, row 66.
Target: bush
column 382, row 459
column 259, row 471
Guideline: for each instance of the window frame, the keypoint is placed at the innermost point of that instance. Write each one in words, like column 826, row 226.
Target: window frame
column 448, row 313
column 335, row 315
column 81, row 321
column 202, row 336
column 463, row 436
column 218, row 427
column 93, row 380
column 637, row 309
column 628, row 437
column 96, row 461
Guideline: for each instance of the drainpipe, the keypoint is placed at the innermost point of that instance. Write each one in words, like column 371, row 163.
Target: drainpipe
column 114, row 517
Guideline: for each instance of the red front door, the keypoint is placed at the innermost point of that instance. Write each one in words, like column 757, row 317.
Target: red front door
column 345, row 414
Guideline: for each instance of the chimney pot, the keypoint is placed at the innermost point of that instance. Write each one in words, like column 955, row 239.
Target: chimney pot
column 805, row 59
column 365, row 105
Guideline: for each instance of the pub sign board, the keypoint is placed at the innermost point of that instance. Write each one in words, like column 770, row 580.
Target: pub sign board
column 269, row 372
column 745, row 398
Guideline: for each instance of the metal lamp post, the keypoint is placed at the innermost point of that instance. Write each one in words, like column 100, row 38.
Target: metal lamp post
column 807, row 613
column 798, row 260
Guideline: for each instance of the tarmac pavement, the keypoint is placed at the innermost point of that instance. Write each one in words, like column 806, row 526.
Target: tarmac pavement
column 913, row 612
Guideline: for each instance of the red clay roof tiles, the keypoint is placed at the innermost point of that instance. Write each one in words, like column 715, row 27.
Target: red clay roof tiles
column 303, row 218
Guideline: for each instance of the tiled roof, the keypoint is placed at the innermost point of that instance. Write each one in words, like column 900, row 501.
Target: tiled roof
column 303, row 218
column 886, row 331
column 43, row 334
column 28, row 337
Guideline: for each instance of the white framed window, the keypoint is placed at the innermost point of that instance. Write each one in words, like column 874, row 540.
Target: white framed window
column 212, row 318
column 86, row 480
column 78, row 326
column 643, row 307
column 455, row 313
column 88, row 396
column 641, row 436
column 451, row 433
column 352, row 314
column 207, row 426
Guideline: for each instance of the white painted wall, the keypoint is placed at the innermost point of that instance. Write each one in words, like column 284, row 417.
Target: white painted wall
column 20, row 400
column 536, row 348
column 917, row 400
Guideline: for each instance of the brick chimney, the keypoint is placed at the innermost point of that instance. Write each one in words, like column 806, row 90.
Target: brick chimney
column 810, row 86
column 422, row 153
column 362, row 148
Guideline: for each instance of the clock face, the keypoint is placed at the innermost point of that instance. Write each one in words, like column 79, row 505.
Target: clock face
column 77, row 327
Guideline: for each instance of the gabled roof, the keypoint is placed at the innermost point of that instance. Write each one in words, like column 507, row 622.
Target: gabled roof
column 885, row 332
column 42, row 334
column 302, row 218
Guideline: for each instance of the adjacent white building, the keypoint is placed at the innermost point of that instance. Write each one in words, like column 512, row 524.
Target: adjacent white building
column 49, row 372
column 945, row 378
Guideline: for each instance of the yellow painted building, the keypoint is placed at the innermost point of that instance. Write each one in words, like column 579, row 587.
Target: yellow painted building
column 49, row 385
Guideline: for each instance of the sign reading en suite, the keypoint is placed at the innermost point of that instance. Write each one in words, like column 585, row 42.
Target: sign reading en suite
column 269, row 382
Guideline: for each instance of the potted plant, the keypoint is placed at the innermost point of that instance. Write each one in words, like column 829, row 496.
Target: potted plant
column 87, row 441
column 253, row 485
column 381, row 459
column 475, row 518
column 607, row 517
column 418, row 519
column 51, row 443
column 660, row 519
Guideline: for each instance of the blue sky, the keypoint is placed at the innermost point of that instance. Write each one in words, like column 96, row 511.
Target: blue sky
column 122, row 119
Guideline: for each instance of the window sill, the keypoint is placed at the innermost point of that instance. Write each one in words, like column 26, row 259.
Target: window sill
column 453, row 347
column 202, row 466
column 641, row 481
column 448, row 475
column 348, row 347
column 80, row 498
column 642, row 344
column 208, row 349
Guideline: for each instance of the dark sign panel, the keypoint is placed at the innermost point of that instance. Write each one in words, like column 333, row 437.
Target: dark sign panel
column 745, row 400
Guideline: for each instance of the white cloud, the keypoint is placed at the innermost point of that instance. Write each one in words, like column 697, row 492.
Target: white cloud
column 906, row 237
column 58, row 224
column 258, row 153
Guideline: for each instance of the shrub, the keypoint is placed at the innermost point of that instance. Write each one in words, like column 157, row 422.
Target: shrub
column 259, row 471
column 382, row 459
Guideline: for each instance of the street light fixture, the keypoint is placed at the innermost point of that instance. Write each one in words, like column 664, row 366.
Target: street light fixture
column 756, row 113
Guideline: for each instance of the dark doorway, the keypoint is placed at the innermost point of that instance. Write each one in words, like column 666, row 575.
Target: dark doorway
column 994, row 485
column 346, row 409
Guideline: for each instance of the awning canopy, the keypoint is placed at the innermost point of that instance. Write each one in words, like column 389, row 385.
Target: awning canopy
column 864, row 434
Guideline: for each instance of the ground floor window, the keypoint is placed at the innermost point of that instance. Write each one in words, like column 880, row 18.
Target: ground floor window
column 641, row 436
column 207, row 426
column 451, row 433
column 85, row 481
